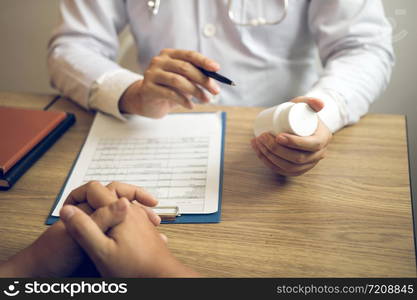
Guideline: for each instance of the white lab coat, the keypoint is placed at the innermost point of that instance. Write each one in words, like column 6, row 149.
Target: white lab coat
column 270, row 64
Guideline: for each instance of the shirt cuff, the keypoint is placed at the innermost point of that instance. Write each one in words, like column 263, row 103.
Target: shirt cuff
column 106, row 91
column 334, row 113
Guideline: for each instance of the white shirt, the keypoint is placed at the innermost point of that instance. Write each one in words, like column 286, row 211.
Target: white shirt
column 271, row 64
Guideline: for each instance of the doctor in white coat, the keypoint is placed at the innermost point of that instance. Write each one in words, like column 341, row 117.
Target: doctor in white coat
column 268, row 47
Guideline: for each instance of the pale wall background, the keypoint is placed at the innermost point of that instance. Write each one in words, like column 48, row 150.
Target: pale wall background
column 25, row 27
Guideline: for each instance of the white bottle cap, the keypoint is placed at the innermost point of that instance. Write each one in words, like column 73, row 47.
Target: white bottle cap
column 294, row 118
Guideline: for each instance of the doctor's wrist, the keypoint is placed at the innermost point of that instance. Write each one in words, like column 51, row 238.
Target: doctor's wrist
column 128, row 102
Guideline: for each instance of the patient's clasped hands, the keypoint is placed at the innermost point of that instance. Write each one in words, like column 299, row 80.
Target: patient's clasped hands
column 113, row 225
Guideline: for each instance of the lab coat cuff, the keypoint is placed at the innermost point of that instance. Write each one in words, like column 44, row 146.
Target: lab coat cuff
column 333, row 115
column 107, row 90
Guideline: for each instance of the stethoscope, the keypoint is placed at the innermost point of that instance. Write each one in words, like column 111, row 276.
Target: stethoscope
column 153, row 6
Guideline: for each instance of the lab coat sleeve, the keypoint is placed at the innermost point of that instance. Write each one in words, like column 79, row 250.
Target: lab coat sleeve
column 355, row 48
column 82, row 54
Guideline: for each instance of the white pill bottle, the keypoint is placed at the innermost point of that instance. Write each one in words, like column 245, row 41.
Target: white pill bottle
column 294, row 118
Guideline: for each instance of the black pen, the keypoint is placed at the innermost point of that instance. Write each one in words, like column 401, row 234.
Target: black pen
column 216, row 76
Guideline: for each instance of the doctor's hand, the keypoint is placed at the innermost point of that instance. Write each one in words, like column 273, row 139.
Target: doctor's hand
column 171, row 79
column 292, row 155
column 54, row 253
column 131, row 248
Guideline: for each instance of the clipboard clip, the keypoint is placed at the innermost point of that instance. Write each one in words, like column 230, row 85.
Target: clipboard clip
column 167, row 213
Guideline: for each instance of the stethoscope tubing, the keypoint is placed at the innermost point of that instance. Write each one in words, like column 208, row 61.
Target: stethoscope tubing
column 153, row 6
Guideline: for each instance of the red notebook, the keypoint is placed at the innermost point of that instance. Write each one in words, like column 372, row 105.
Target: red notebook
column 21, row 130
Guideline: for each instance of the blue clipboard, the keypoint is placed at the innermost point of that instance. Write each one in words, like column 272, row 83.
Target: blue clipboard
column 184, row 218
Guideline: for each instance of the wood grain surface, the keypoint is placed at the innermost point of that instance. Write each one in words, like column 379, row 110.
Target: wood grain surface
column 348, row 217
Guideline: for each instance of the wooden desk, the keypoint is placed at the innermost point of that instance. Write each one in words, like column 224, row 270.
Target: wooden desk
column 348, row 217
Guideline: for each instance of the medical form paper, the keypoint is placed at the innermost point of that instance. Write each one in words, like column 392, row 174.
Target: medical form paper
column 177, row 158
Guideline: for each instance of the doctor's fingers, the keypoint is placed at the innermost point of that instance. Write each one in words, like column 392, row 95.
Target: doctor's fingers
column 292, row 155
column 190, row 72
column 193, row 57
column 159, row 91
column 279, row 165
column 315, row 103
column 180, row 84
column 316, row 142
column 266, row 161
